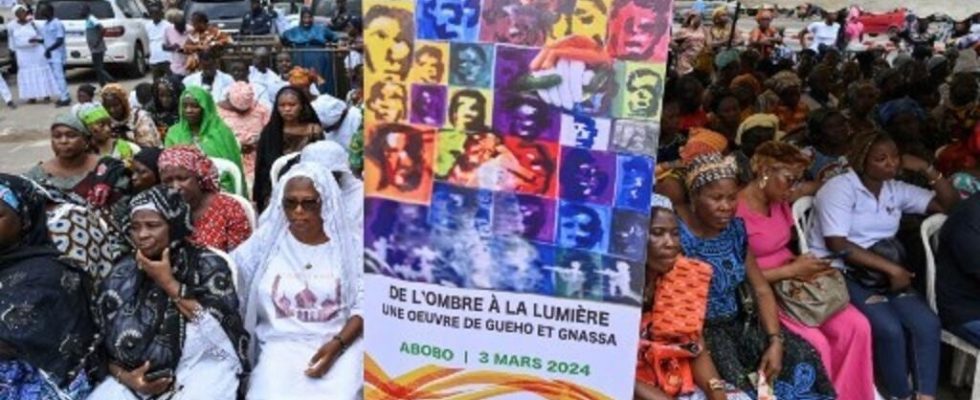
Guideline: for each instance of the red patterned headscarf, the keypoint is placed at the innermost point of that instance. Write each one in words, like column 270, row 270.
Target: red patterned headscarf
column 192, row 159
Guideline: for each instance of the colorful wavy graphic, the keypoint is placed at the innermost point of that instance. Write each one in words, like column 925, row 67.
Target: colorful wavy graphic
column 436, row 382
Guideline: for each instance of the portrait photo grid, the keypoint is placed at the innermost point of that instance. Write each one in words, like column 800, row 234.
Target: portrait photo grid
column 510, row 144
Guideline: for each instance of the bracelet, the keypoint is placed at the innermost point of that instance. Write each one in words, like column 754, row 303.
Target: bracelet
column 776, row 337
column 716, row 385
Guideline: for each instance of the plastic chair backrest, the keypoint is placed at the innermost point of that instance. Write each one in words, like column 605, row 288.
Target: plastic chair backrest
column 801, row 220
column 278, row 165
column 228, row 167
column 930, row 241
column 247, row 206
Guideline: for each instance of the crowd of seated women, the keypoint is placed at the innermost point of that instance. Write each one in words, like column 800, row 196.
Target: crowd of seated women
column 875, row 163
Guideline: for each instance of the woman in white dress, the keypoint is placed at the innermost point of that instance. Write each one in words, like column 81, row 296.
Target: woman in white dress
column 34, row 77
column 169, row 312
column 301, row 276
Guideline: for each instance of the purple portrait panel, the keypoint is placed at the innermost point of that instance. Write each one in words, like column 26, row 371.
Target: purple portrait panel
column 527, row 216
column 511, row 65
column 587, row 175
column 525, row 116
column 429, row 105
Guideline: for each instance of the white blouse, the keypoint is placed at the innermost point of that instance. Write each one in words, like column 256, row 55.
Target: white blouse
column 299, row 310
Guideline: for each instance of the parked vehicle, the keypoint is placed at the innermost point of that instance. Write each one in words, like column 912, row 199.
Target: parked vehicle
column 126, row 42
column 4, row 43
column 682, row 7
column 225, row 14
column 891, row 23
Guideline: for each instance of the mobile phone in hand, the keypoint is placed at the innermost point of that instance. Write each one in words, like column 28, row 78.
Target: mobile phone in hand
column 161, row 374
column 840, row 255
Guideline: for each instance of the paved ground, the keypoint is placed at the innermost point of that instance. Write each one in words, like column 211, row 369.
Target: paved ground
column 24, row 131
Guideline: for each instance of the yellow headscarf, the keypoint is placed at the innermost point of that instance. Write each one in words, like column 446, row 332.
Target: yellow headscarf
column 770, row 121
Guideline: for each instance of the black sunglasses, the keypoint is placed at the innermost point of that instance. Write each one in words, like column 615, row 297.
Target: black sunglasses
column 308, row 205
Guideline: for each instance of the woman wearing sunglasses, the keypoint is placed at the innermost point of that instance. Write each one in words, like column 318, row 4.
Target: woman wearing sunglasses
column 842, row 340
column 301, row 280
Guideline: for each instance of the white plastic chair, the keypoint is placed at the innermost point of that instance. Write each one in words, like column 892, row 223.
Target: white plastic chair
column 278, row 165
column 231, row 265
column 228, row 167
column 801, row 220
column 961, row 348
column 247, row 206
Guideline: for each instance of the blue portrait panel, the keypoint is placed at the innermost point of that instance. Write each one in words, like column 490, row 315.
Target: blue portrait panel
column 456, row 209
column 470, row 64
column 448, row 19
column 629, row 234
column 587, row 176
column 397, row 235
column 585, row 132
column 575, row 275
column 521, row 266
column 634, row 183
column 583, row 226
column 622, row 280
column 530, row 217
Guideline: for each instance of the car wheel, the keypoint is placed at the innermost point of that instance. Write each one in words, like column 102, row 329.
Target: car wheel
column 137, row 68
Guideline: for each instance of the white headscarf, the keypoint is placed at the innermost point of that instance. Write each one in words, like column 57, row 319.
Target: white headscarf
column 332, row 157
column 329, row 110
column 252, row 257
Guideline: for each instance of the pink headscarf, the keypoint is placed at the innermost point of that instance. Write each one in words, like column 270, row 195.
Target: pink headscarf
column 241, row 96
column 192, row 159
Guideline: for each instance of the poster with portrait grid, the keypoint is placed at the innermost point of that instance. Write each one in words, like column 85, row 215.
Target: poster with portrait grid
column 509, row 165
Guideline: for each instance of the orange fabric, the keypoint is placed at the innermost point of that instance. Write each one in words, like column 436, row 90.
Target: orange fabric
column 702, row 140
column 670, row 332
column 791, row 119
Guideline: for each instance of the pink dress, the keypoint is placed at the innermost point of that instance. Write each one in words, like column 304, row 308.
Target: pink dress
column 844, row 340
column 247, row 128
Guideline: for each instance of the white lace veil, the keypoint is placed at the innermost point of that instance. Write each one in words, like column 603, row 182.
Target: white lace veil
column 341, row 213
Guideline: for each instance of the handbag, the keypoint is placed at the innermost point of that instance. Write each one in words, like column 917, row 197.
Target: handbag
column 813, row 301
column 875, row 280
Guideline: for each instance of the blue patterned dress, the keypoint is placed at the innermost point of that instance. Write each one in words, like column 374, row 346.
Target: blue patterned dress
column 736, row 340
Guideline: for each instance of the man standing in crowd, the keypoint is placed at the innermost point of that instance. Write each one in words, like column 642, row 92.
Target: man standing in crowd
column 340, row 20
column 258, row 21
column 209, row 77
column 259, row 73
column 156, row 32
column 54, row 50
column 94, row 36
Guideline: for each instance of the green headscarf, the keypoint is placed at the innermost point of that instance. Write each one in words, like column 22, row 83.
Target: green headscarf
column 215, row 138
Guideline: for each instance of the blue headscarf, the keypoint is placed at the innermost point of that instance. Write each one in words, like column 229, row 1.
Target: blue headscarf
column 888, row 111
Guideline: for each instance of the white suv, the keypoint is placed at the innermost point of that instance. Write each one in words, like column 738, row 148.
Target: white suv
column 125, row 36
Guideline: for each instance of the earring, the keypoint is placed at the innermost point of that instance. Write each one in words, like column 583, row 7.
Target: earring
column 764, row 182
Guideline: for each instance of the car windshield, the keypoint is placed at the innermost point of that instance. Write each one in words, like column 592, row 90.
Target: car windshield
column 72, row 10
